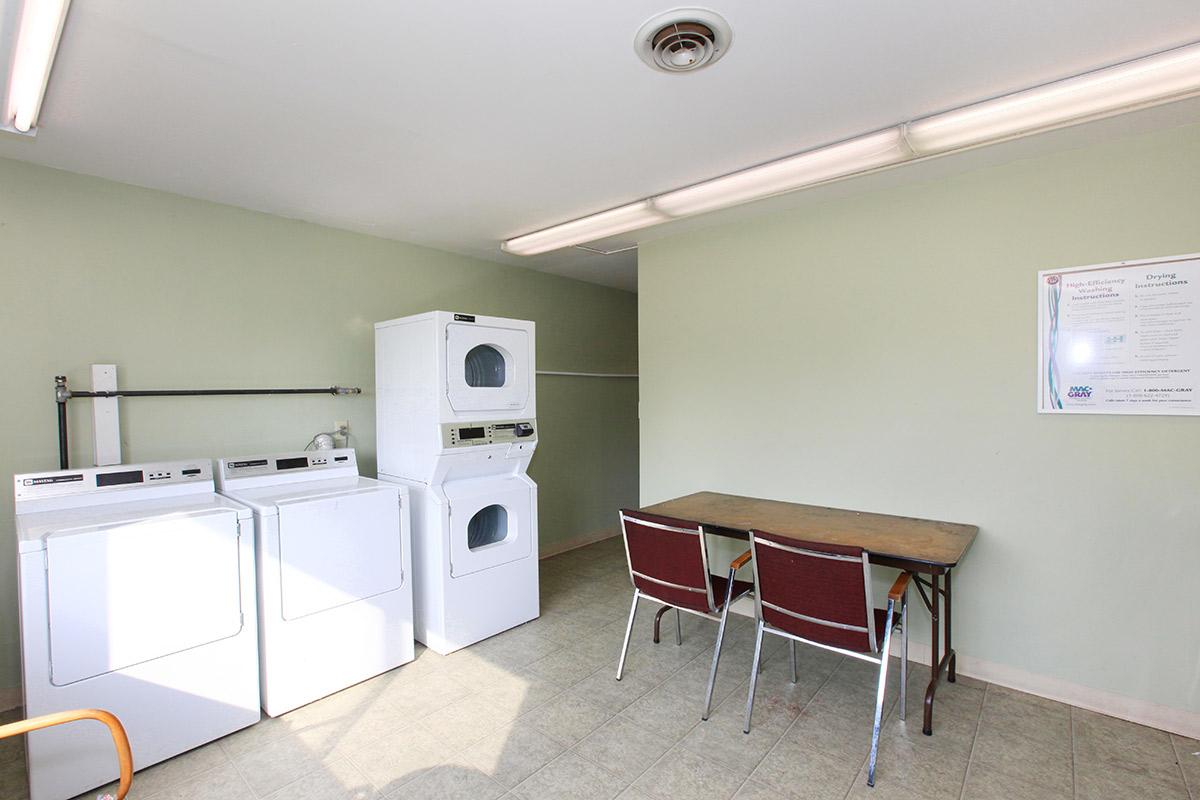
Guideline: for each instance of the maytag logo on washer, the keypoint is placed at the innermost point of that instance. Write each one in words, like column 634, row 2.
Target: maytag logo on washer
column 52, row 479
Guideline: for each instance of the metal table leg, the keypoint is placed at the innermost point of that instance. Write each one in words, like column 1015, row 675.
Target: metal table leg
column 934, row 661
column 939, row 661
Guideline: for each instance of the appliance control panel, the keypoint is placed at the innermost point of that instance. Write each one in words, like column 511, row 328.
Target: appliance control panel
column 287, row 462
column 473, row 434
column 117, row 476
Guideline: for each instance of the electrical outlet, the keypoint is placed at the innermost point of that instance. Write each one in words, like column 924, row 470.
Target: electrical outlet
column 341, row 427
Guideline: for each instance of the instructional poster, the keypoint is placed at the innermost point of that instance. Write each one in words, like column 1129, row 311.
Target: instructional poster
column 1120, row 338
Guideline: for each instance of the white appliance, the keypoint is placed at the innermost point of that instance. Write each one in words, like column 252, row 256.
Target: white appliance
column 334, row 572
column 456, row 423
column 137, row 597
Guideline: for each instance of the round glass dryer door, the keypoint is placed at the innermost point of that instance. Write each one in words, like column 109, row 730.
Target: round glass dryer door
column 488, row 368
column 491, row 522
column 485, row 367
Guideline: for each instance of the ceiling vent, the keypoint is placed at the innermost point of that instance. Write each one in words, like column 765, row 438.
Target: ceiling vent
column 683, row 39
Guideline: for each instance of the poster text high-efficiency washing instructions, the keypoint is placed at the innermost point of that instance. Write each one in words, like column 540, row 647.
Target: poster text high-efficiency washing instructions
column 1120, row 338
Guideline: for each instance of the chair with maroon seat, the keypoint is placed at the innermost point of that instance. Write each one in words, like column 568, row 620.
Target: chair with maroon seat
column 820, row 594
column 668, row 564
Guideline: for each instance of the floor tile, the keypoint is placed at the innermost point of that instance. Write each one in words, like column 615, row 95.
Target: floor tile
column 984, row 783
column 797, row 771
column 666, row 712
column 337, row 780
column 721, row 739
column 568, row 718
column 1043, row 763
column 1107, row 742
column 155, row 779
column 570, row 777
column 224, row 782
column 1187, row 752
column 682, row 773
column 566, row 666
column 603, row 688
column 422, row 694
column 1114, row 783
column 513, row 753
column 623, row 748
column 453, row 780
column 464, row 722
column 398, row 758
column 279, row 762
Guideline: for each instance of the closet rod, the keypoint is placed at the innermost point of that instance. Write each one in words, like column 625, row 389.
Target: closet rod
column 588, row 374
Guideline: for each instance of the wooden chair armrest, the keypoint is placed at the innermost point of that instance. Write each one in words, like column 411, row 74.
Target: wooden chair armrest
column 740, row 561
column 900, row 586
column 115, row 729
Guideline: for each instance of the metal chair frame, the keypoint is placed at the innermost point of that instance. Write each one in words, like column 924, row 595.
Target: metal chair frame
column 720, row 617
column 879, row 653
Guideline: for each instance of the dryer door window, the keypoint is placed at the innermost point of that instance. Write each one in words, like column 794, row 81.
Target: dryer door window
column 337, row 549
column 488, row 526
column 491, row 523
column 123, row 594
column 487, row 368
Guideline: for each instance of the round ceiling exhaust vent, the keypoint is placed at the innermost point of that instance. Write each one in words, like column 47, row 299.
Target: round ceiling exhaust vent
column 683, row 39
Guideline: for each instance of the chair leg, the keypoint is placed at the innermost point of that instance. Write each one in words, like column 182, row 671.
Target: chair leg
column 628, row 633
column 795, row 676
column 885, row 654
column 903, row 655
column 658, row 615
column 758, row 639
column 678, row 629
column 712, row 673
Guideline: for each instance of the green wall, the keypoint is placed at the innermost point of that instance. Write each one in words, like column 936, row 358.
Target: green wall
column 183, row 293
column 878, row 353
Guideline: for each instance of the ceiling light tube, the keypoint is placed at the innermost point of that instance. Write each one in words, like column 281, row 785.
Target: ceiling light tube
column 788, row 174
column 1166, row 76
column 37, row 42
column 1161, row 78
column 588, row 229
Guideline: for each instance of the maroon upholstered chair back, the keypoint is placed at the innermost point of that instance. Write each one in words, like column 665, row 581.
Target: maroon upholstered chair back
column 667, row 559
column 816, row 591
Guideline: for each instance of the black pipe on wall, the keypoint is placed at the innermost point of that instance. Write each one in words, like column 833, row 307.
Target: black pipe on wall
column 62, row 394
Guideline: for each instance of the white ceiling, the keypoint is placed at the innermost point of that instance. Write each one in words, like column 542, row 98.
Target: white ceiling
column 458, row 124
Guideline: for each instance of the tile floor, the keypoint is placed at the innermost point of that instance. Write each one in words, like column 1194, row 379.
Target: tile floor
column 535, row 714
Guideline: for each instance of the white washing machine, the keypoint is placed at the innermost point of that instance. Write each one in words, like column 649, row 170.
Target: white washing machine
column 334, row 572
column 137, row 597
column 456, row 423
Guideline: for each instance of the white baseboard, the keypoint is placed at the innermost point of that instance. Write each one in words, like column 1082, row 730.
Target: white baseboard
column 583, row 540
column 1143, row 712
column 10, row 698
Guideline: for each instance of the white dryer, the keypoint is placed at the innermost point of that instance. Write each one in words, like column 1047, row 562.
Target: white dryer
column 456, row 423
column 137, row 597
column 334, row 569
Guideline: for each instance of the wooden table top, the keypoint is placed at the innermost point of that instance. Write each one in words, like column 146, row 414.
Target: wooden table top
column 939, row 544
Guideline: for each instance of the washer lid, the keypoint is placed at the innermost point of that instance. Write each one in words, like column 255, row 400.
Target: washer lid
column 34, row 528
column 265, row 500
column 338, row 548
column 126, row 592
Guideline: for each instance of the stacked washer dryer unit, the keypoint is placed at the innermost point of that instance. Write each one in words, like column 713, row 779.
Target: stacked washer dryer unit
column 334, row 578
column 456, row 424
column 137, row 596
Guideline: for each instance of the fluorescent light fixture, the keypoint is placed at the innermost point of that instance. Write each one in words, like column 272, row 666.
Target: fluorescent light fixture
column 1161, row 78
column 788, row 174
column 1155, row 79
column 588, row 229
column 37, row 42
